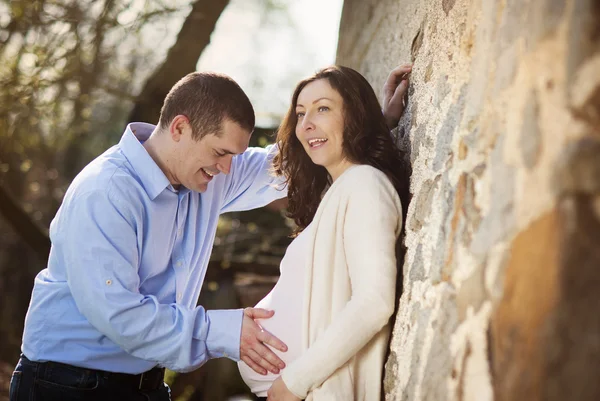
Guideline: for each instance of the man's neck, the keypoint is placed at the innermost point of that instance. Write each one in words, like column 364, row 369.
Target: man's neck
column 158, row 150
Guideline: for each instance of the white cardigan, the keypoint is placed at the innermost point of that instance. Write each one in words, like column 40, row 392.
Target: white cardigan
column 350, row 287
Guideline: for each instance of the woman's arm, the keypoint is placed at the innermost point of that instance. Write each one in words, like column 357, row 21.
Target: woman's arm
column 394, row 94
column 371, row 226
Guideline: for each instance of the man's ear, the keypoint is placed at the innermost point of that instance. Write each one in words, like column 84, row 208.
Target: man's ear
column 178, row 127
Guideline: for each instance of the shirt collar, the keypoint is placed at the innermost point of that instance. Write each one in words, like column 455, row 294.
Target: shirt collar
column 152, row 177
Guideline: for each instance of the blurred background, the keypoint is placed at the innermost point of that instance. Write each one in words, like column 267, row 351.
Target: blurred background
column 74, row 72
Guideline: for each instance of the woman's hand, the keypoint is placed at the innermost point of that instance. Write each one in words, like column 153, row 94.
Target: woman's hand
column 280, row 392
column 394, row 90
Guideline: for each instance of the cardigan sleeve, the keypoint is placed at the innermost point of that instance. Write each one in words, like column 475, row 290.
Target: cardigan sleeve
column 371, row 226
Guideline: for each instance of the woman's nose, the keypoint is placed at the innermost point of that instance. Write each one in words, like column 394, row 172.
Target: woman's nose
column 307, row 123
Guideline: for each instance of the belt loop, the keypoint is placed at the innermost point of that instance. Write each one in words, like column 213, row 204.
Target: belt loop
column 40, row 370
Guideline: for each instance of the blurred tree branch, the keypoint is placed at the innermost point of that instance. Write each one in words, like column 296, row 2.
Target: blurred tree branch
column 46, row 109
column 23, row 225
column 89, row 77
column 181, row 59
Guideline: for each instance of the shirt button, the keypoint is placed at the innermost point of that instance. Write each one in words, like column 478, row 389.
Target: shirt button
column 178, row 264
column 225, row 354
column 179, row 297
column 108, row 282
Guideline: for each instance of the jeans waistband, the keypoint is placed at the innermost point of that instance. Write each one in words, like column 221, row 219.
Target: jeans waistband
column 150, row 380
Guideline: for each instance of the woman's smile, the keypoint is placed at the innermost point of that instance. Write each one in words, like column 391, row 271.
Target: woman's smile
column 316, row 143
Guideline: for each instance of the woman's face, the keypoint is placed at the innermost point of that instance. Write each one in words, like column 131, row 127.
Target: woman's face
column 320, row 126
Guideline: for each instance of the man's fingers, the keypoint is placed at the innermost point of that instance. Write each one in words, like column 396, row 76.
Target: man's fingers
column 270, row 356
column 253, row 365
column 258, row 313
column 253, row 340
column 273, row 341
column 265, row 358
column 267, row 354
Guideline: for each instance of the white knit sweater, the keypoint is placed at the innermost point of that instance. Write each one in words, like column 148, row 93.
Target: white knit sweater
column 350, row 287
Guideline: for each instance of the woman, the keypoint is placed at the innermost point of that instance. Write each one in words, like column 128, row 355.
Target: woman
column 336, row 292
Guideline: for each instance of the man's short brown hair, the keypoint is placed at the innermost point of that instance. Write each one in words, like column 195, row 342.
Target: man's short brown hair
column 206, row 99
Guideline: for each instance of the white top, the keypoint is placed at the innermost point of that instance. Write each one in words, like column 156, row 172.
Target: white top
column 349, row 290
column 286, row 324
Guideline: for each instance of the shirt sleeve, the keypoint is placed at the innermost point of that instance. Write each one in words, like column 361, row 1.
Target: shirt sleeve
column 371, row 225
column 97, row 239
column 251, row 182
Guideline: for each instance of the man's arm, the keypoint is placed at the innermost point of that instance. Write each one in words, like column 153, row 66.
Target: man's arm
column 96, row 240
column 251, row 182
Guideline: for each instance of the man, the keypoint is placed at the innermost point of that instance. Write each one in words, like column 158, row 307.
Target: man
column 130, row 246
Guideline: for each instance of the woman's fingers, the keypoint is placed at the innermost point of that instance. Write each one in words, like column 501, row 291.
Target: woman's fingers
column 397, row 75
column 394, row 91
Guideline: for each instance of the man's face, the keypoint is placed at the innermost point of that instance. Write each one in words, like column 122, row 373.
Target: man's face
column 197, row 162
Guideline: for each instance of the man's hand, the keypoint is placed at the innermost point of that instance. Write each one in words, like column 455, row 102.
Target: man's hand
column 394, row 90
column 280, row 392
column 253, row 350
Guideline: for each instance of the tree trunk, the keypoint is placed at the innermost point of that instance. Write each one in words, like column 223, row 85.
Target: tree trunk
column 23, row 225
column 181, row 59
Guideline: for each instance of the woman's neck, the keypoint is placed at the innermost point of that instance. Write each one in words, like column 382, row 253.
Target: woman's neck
column 336, row 171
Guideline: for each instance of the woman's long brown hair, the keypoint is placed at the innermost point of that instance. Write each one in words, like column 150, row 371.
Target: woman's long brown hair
column 367, row 140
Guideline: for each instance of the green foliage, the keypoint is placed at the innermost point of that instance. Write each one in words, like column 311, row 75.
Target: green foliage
column 67, row 73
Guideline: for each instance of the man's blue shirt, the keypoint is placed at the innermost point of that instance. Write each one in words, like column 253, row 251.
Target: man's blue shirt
column 128, row 258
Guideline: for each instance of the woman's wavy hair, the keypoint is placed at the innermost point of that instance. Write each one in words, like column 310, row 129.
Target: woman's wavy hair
column 367, row 140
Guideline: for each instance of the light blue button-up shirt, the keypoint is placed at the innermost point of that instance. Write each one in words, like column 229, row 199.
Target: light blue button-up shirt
column 129, row 255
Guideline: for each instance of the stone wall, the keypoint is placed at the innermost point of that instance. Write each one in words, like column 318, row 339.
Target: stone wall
column 501, row 296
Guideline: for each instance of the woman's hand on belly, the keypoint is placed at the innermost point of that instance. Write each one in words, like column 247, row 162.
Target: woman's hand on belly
column 280, row 392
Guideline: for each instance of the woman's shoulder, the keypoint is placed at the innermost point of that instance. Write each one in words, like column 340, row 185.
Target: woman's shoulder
column 364, row 176
column 365, row 169
column 369, row 184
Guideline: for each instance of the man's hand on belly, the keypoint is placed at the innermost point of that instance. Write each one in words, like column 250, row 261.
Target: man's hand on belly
column 253, row 350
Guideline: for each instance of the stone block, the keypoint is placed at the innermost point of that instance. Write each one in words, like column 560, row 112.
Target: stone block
column 531, row 141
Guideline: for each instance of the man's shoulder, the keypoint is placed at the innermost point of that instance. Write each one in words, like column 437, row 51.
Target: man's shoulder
column 109, row 174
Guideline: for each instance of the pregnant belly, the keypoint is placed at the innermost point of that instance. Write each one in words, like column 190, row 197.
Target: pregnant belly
column 286, row 325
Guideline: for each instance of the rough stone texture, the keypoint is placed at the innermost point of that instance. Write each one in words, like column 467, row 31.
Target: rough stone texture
column 501, row 277
column 530, row 132
column 423, row 203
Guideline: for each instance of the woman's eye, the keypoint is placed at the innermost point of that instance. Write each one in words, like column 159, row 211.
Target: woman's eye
column 323, row 108
column 299, row 114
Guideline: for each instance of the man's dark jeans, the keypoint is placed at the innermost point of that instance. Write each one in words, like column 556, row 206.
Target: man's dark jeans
column 50, row 381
